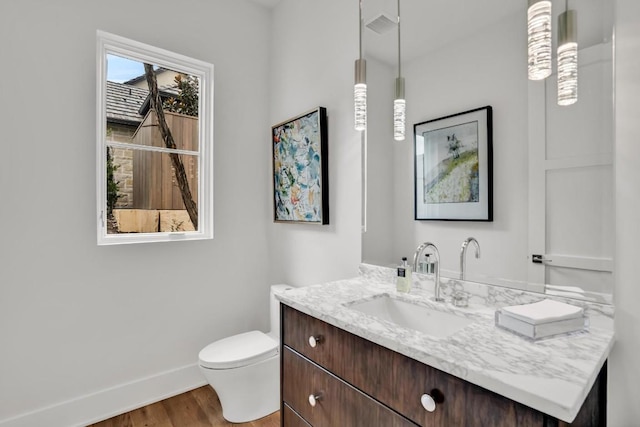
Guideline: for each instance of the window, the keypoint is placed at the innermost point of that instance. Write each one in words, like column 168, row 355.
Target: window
column 154, row 144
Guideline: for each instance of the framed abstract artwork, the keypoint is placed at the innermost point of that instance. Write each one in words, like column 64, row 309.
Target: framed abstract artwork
column 454, row 167
column 300, row 169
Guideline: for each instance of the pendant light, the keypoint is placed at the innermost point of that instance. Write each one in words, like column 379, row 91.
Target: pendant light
column 360, row 87
column 399, row 104
column 567, row 57
column 539, row 39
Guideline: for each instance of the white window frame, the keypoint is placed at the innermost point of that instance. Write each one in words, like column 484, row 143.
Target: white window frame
column 120, row 46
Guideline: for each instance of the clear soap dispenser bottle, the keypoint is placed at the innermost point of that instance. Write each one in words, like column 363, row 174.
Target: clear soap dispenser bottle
column 403, row 279
column 423, row 265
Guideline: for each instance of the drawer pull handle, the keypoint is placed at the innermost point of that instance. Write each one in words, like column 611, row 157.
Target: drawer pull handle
column 314, row 341
column 314, row 398
column 428, row 403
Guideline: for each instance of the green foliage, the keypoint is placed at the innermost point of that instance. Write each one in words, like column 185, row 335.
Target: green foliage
column 461, row 159
column 112, row 184
column 187, row 100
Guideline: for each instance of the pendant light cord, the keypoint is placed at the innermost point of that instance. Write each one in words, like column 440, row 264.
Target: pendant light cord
column 360, row 27
column 399, row 62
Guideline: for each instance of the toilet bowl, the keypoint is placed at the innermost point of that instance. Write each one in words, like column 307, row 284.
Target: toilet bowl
column 244, row 369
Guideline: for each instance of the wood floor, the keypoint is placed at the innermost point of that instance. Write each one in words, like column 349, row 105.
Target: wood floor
column 196, row 408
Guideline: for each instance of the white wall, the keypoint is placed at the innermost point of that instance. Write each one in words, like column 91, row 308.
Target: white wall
column 313, row 49
column 438, row 85
column 624, row 374
column 75, row 318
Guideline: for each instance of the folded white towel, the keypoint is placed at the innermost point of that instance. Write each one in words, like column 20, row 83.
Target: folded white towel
column 570, row 295
column 544, row 311
column 565, row 288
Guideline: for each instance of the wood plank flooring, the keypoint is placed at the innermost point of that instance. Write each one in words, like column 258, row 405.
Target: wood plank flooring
column 195, row 408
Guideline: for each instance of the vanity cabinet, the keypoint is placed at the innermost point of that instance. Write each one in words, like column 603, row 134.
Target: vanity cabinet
column 331, row 377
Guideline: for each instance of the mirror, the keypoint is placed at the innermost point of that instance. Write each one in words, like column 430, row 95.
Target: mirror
column 154, row 144
column 552, row 166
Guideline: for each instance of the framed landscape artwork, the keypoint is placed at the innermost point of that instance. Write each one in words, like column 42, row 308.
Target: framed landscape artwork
column 300, row 170
column 453, row 167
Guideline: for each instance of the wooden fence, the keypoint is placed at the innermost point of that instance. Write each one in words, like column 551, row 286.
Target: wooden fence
column 154, row 183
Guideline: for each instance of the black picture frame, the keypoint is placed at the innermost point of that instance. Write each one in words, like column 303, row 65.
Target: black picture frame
column 453, row 167
column 300, row 169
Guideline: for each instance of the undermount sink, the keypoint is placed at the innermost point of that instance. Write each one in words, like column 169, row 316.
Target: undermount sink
column 432, row 322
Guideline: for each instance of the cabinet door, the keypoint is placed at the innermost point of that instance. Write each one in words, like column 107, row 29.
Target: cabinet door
column 336, row 402
column 570, row 178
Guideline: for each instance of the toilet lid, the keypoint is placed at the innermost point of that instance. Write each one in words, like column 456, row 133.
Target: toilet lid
column 238, row 350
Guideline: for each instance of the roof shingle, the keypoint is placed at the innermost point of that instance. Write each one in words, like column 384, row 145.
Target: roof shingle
column 123, row 103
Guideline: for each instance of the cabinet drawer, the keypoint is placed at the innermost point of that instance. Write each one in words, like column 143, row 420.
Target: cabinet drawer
column 337, row 404
column 399, row 381
column 333, row 348
column 291, row 419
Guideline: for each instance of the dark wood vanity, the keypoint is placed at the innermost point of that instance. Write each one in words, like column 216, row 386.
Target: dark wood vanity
column 347, row 381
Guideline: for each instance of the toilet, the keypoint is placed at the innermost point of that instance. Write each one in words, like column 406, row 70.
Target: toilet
column 244, row 369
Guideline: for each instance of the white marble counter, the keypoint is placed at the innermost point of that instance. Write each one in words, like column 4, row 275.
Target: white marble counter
column 552, row 375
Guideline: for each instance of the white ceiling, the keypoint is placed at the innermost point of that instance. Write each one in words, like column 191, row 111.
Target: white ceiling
column 430, row 24
column 424, row 24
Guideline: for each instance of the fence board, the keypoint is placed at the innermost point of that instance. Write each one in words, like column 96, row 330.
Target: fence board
column 154, row 183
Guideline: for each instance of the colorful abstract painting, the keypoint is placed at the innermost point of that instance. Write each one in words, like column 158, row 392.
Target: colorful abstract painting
column 300, row 169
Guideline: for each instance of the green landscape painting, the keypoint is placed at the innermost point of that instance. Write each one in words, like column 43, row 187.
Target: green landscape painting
column 451, row 168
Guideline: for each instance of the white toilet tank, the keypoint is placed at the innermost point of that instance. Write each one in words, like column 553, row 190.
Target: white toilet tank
column 274, row 309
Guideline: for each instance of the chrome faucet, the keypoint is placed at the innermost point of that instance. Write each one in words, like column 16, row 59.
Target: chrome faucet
column 463, row 252
column 416, row 256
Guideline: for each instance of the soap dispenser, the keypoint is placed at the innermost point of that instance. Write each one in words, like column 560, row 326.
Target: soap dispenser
column 403, row 279
column 426, row 266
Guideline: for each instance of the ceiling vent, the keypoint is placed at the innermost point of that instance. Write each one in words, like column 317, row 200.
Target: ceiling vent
column 382, row 24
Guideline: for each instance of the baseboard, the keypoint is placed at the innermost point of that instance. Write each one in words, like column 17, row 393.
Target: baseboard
column 113, row 401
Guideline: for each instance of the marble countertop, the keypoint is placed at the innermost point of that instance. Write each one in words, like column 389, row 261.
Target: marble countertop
column 553, row 375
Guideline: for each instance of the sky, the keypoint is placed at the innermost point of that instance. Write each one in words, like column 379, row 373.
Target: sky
column 121, row 69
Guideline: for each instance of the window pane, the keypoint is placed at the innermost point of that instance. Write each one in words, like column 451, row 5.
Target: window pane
column 144, row 193
column 129, row 109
